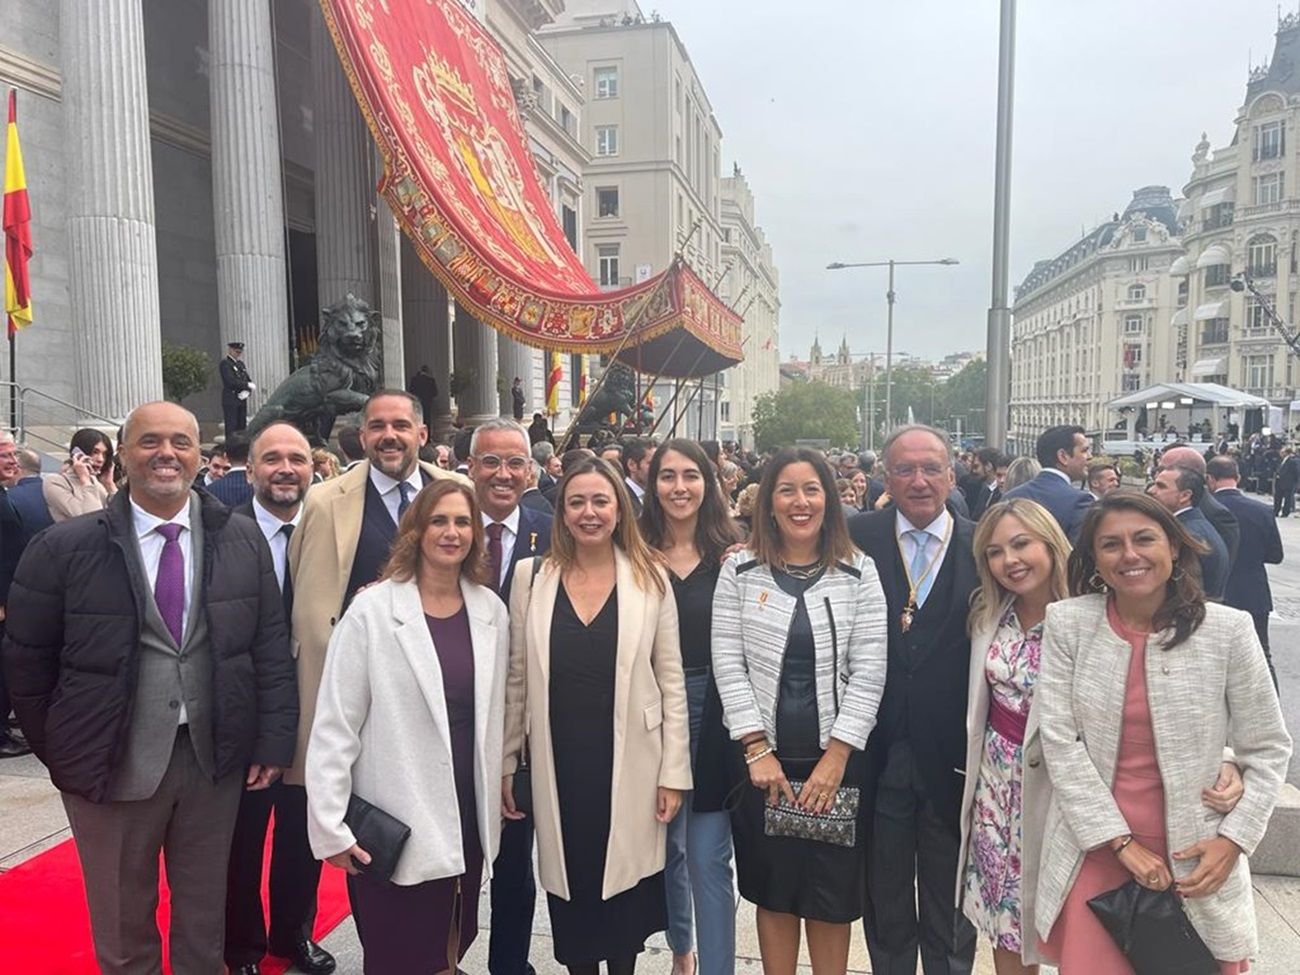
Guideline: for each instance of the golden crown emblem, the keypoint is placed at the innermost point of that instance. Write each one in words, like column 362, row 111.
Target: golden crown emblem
column 448, row 79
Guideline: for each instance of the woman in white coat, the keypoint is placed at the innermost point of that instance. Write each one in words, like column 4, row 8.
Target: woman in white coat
column 409, row 717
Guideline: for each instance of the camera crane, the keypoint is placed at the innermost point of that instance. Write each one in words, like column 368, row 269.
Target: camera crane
column 1244, row 282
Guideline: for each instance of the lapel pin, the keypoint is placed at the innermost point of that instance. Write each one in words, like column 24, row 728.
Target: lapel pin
column 762, row 597
column 532, row 541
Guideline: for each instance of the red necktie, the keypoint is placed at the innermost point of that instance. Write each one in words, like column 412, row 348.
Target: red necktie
column 494, row 552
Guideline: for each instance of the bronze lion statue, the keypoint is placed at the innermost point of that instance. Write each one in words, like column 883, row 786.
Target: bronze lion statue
column 338, row 380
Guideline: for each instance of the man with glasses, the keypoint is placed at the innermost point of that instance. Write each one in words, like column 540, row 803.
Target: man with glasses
column 917, row 752
column 500, row 465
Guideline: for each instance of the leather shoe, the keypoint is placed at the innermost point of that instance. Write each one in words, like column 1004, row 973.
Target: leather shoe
column 308, row 957
column 253, row 969
column 12, row 747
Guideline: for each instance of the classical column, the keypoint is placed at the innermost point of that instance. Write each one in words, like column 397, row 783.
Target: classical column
column 112, row 249
column 345, row 192
column 426, row 333
column 515, row 359
column 247, row 194
column 476, row 358
column 388, row 237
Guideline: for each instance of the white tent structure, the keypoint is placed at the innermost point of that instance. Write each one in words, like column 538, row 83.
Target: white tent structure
column 1188, row 402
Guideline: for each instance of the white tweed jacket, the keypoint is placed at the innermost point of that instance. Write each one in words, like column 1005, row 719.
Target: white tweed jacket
column 1210, row 691
column 751, row 621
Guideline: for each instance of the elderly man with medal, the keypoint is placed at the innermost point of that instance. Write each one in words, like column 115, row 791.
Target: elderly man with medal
column 917, row 753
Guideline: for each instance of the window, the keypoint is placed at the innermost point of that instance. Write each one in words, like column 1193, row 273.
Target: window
column 1137, row 292
column 607, row 262
column 1139, row 235
column 1261, row 256
column 1258, row 371
column 725, row 408
column 1138, row 263
column 726, row 234
column 607, row 82
column 1219, row 216
column 1132, row 356
column 607, row 201
column 566, row 120
column 607, row 140
column 1270, row 141
column 1256, row 318
column 1217, row 275
column 1215, row 332
column 1132, row 382
column 1133, row 324
column 1182, row 292
column 569, row 218
column 1268, row 189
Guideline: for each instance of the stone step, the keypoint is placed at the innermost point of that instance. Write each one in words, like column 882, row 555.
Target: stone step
column 1278, row 852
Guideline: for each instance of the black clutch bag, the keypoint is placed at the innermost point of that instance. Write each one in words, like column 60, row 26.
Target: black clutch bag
column 379, row 834
column 1152, row 930
column 522, row 785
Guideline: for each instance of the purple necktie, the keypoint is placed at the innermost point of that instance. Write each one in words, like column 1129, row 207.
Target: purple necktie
column 169, row 587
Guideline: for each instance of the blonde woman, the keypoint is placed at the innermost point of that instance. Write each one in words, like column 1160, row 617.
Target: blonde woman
column 595, row 663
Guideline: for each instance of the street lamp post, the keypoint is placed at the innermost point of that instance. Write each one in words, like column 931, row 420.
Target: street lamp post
column 889, row 319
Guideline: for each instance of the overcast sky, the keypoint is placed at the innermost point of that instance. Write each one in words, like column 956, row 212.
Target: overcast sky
column 866, row 129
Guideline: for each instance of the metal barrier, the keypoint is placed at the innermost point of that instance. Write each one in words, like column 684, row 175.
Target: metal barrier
column 42, row 420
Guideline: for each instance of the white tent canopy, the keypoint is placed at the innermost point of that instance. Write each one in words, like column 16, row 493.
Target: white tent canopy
column 1201, row 394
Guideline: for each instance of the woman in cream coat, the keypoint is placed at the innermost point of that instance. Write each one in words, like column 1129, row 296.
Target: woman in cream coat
column 596, row 685
column 409, row 718
column 1143, row 683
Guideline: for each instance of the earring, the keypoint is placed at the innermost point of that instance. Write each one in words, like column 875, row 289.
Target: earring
column 1178, row 574
column 1097, row 582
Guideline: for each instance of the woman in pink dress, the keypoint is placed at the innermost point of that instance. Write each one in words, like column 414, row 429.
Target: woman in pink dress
column 1142, row 685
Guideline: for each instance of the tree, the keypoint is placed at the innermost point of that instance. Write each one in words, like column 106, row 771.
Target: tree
column 184, row 371
column 806, row 411
column 963, row 395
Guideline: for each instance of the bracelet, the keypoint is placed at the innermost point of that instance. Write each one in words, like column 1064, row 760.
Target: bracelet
column 761, row 753
column 1117, row 850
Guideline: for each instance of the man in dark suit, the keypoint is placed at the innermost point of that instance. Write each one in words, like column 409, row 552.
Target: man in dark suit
column 232, row 488
column 499, row 465
column 1063, row 453
column 236, row 387
column 1223, row 520
column 13, row 540
column 28, row 495
column 1261, row 544
column 1179, row 489
column 917, row 752
column 638, row 452
column 280, row 470
column 978, row 486
column 533, row 497
column 1284, row 483
column 424, row 388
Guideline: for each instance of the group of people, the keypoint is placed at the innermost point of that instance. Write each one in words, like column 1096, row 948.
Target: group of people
column 886, row 711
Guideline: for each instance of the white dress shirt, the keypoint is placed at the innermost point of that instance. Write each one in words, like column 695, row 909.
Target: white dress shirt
column 151, row 546
column 1061, row 474
column 936, row 545
column 637, row 490
column 271, row 525
column 387, row 488
column 509, row 533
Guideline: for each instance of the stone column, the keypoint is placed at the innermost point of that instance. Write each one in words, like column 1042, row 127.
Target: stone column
column 475, row 347
column 389, row 238
column 426, row 333
column 112, row 246
column 345, row 193
column 247, row 192
column 515, row 359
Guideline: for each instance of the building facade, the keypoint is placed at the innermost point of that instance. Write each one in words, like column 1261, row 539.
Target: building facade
column 1242, row 214
column 200, row 173
column 751, row 285
column 1097, row 321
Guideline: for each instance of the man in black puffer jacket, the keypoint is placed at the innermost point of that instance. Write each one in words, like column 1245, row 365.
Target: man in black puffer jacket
column 148, row 658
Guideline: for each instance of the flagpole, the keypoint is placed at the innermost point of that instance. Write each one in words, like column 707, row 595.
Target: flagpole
column 13, row 388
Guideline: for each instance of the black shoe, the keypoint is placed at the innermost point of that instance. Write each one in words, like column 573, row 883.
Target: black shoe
column 253, row 969
column 12, row 747
column 308, row 957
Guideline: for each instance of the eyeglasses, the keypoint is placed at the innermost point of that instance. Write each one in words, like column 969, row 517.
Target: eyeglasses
column 492, row 463
column 909, row 471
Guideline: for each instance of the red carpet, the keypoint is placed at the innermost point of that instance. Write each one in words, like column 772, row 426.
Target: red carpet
column 45, row 928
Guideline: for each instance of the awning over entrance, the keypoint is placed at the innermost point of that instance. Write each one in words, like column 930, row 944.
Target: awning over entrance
column 1224, row 194
column 1213, row 255
column 460, row 179
column 1212, row 309
column 1209, row 367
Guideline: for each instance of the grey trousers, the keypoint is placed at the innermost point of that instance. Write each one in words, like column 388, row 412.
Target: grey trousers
column 190, row 821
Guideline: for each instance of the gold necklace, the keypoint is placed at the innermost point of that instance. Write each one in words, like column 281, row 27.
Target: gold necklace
column 913, row 585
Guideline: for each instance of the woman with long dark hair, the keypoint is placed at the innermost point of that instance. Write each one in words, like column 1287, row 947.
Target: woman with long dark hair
column 799, row 637
column 596, row 686
column 86, row 482
column 1143, row 683
column 685, row 518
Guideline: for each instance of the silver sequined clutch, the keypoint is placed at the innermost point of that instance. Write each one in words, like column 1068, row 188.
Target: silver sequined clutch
column 838, row 825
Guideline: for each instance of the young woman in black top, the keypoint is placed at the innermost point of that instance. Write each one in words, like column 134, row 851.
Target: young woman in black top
column 686, row 518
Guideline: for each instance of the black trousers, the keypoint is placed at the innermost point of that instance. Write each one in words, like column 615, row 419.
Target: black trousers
column 514, row 896
column 234, row 417
column 1261, row 630
column 6, row 705
column 1283, row 499
column 913, row 863
column 295, row 875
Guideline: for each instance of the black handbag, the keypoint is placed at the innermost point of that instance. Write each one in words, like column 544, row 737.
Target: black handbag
column 522, row 780
column 1152, row 930
column 381, row 835
column 838, row 825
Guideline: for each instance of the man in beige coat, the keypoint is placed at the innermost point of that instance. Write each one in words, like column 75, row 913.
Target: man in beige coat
column 342, row 542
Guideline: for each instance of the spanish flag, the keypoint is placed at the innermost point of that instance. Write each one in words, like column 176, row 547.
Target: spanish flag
column 553, row 377
column 582, row 381
column 17, row 228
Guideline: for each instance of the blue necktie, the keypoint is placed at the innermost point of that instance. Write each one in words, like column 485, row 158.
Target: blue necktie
column 405, row 490
column 919, row 564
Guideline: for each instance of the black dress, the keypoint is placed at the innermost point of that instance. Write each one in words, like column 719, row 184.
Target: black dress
column 806, row 878
column 586, row 928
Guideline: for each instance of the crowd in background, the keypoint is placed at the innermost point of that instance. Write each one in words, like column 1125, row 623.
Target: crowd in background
column 948, row 695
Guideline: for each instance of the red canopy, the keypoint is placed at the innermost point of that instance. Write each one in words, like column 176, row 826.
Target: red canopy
column 460, row 178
